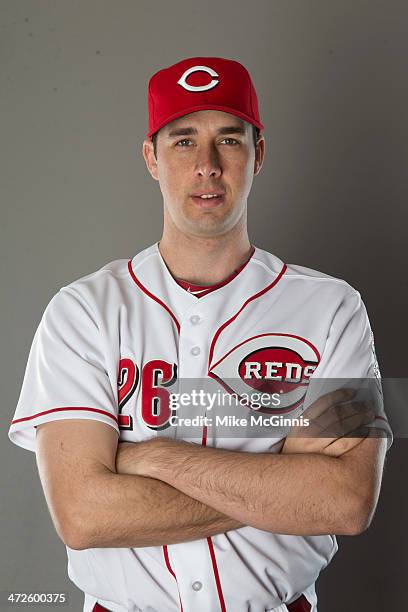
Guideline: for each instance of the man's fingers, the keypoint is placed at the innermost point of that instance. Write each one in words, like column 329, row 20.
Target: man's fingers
column 334, row 415
column 344, row 419
column 340, row 446
column 326, row 401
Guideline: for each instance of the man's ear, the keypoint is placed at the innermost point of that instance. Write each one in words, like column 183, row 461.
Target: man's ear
column 259, row 155
column 150, row 159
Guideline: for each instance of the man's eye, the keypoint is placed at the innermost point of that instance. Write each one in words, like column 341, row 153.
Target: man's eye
column 180, row 142
column 230, row 141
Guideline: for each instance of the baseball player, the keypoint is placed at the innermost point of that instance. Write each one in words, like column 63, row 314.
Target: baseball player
column 155, row 522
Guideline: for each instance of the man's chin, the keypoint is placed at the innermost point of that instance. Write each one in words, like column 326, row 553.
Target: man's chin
column 207, row 223
column 209, row 227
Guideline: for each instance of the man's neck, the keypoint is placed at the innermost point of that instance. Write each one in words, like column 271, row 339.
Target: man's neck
column 204, row 261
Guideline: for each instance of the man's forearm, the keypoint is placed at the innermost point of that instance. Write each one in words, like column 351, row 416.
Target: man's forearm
column 121, row 510
column 307, row 494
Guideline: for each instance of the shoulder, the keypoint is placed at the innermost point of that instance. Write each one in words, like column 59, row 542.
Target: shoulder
column 113, row 271
column 301, row 278
column 106, row 286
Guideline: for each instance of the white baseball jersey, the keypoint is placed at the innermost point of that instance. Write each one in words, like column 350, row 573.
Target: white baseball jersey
column 110, row 345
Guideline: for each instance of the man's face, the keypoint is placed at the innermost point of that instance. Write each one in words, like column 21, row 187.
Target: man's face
column 205, row 153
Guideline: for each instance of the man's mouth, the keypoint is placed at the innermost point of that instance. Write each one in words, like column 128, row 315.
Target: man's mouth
column 208, row 199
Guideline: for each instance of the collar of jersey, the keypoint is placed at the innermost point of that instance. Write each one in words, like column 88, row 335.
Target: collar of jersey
column 152, row 272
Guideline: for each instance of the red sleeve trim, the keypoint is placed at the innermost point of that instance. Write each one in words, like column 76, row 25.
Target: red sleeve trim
column 377, row 416
column 34, row 416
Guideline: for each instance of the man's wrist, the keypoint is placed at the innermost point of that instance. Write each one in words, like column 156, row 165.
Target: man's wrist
column 150, row 458
column 125, row 463
column 162, row 457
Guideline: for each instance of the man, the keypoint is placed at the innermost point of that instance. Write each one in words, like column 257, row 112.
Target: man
column 151, row 521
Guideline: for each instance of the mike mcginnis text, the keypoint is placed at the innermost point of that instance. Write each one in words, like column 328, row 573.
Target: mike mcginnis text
column 277, row 420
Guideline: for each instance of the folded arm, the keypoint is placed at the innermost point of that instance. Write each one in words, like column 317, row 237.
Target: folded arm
column 102, row 494
column 316, row 485
column 93, row 506
column 298, row 494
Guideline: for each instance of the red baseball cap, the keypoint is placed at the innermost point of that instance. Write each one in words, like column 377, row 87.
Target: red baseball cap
column 201, row 83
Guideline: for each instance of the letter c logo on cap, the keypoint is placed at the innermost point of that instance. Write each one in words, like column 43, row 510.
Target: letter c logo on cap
column 211, row 84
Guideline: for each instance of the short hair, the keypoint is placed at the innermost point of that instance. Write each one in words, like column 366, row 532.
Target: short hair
column 255, row 134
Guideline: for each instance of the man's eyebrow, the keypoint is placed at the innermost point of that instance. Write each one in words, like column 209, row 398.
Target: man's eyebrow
column 232, row 129
column 189, row 131
column 183, row 131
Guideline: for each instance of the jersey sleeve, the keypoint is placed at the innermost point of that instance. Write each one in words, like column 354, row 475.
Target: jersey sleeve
column 66, row 375
column 349, row 360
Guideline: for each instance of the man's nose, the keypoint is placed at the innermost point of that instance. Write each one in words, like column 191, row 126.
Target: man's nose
column 208, row 163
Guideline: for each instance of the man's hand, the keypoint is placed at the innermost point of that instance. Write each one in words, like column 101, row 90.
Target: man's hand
column 333, row 413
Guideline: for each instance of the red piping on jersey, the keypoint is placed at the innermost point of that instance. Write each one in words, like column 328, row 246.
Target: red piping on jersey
column 151, row 295
column 216, row 574
column 269, row 334
column 204, row 436
column 249, row 406
column 167, row 560
column 211, row 547
column 163, row 305
column 253, row 297
column 34, row 416
column 205, row 289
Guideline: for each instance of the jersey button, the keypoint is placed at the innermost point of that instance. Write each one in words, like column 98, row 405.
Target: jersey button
column 197, row 585
column 195, row 350
column 194, row 319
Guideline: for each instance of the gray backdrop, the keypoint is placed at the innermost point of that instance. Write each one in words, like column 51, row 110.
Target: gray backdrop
column 332, row 83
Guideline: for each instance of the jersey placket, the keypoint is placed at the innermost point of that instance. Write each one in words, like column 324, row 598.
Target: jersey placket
column 192, row 561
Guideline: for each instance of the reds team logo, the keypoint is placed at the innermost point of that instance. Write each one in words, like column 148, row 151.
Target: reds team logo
column 183, row 79
column 270, row 364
